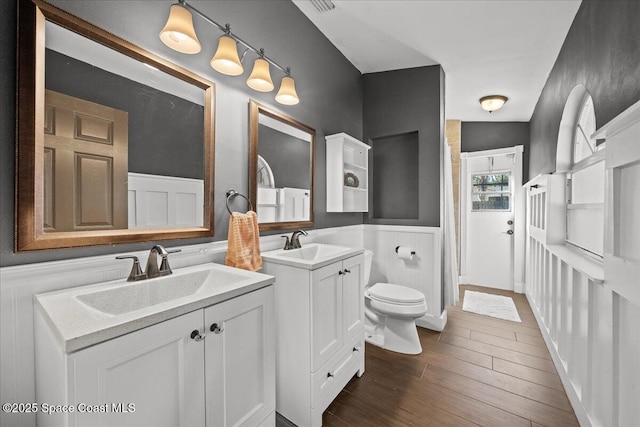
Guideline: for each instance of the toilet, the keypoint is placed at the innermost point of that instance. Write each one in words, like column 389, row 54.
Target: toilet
column 390, row 313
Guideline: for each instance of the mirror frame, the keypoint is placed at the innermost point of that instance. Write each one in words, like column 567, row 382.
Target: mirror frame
column 29, row 172
column 255, row 109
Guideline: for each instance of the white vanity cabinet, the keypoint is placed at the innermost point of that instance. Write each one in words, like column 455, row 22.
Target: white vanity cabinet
column 347, row 174
column 184, row 371
column 320, row 335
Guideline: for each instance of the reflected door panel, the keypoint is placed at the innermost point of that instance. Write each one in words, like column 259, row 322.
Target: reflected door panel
column 85, row 167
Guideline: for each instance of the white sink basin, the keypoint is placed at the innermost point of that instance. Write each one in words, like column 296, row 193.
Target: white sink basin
column 133, row 296
column 86, row 315
column 310, row 256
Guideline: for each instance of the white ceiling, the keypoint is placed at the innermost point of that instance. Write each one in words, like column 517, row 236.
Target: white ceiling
column 504, row 47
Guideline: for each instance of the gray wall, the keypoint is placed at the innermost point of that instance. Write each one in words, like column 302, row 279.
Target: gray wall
column 165, row 131
column 479, row 136
column 388, row 202
column 288, row 157
column 602, row 52
column 401, row 102
column 329, row 88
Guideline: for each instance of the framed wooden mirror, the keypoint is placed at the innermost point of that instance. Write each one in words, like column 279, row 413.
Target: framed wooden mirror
column 281, row 161
column 114, row 143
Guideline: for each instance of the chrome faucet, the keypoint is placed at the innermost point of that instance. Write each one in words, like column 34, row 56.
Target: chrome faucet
column 152, row 269
column 294, row 242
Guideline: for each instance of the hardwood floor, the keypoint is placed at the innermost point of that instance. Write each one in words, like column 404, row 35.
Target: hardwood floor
column 478, row 371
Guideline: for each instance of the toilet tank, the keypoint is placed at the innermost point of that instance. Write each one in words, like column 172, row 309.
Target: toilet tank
column 368, row 259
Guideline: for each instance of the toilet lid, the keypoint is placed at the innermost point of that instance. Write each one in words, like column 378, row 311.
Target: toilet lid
column 395, row 293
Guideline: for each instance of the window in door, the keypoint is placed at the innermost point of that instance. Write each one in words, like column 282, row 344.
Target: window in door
column 491, row 192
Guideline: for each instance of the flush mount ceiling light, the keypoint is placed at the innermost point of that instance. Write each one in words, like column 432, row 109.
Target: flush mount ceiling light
column 492, row 103
column 179, row 35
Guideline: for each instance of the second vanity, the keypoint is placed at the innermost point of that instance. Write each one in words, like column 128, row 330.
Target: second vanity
column 319, row 306
column 193, row 347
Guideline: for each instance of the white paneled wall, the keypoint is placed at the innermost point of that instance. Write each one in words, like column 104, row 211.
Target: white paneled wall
column 593, row 332
column 18, row 285
column 422, row 273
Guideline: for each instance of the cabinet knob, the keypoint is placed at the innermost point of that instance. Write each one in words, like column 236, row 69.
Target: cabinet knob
column 329, row 375
column 356, row 348
column 340, row 272
column 346, row 270
column 196, row 336
column 216, row 329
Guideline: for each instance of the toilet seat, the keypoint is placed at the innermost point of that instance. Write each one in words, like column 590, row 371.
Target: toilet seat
column 395, row 294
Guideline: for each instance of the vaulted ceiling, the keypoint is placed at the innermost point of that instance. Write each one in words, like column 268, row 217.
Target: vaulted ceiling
column 505, row 47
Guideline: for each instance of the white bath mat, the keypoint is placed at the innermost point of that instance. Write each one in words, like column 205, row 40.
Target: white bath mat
column 490, row 305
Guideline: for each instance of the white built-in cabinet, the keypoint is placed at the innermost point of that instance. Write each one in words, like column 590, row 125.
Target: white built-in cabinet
column 320, row 335
column 214, row 366
column 347, row 174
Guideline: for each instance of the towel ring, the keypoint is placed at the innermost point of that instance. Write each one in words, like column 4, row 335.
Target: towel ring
column 231, row 194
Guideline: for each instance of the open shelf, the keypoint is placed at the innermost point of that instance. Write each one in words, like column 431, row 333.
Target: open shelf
column 347, row 155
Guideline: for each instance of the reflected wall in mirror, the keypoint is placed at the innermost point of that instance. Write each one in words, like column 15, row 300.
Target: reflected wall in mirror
column 281, row 159
column 114, row 145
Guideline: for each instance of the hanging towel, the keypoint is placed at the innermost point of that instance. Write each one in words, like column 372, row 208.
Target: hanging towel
column 243, row 249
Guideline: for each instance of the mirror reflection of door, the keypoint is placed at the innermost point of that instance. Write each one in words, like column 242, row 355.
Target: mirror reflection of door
column 85, row 165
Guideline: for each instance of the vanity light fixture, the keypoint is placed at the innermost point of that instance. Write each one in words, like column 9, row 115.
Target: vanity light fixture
column 260, row 78
column 179, row 35
column 492, row 103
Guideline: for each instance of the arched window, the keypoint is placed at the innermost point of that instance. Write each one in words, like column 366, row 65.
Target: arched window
column 585, row 182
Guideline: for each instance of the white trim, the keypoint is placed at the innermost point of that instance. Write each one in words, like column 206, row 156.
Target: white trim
column 432, row 322
column 402, row 228
column 622, row 121
column 494, row 152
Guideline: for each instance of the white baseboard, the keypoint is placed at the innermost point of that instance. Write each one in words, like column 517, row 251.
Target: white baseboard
column 432, row 322
column 518, row 287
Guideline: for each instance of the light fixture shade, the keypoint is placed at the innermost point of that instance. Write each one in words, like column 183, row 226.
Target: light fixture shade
column 226, row 59
column 492, row 103
column 287, row 94
column 260, row 78
column 178, row 33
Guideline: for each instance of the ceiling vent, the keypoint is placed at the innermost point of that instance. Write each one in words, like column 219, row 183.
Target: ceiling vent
column 323, row 6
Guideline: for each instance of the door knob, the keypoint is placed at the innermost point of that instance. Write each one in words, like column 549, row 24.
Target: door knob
column 196, row 336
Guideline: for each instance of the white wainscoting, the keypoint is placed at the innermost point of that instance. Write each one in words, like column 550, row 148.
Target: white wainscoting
column 422, row 273
column 165, row 201
column 18, row 284
column 590, row 323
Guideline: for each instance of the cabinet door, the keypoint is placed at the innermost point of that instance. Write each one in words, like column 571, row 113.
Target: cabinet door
column 326, row 312
column 352, row 297
column 240, row 360
column 158, row 370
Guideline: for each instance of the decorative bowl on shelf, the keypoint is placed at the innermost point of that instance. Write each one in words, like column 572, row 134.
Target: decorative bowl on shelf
column 351, row 180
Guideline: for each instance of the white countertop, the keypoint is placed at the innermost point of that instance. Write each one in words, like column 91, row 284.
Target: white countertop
column 78, row 325
column 311, row 256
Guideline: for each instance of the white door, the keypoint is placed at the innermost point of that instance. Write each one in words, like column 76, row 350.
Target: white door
column 240, row 360
column 491, row 193
column 157, row 370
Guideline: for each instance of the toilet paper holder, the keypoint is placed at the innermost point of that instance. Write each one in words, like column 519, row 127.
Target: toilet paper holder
column 412, row 252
